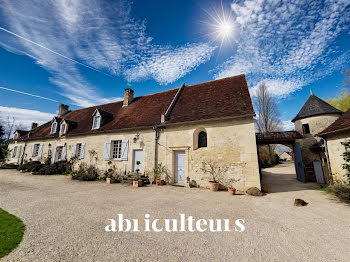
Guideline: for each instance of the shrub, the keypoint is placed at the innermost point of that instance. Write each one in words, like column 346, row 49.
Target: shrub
column 9, row 166
column 32, row 166
column 85, row 173
column 342, row 190
column 62, row 167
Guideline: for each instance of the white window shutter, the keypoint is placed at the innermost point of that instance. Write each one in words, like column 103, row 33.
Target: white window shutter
column 107, row 150
column 125, row 147
column 64, row 153
column 19, row 148
column 74, row 151
column 82, row 151
column 53, row 155
column 40, row 150
column 31, row 151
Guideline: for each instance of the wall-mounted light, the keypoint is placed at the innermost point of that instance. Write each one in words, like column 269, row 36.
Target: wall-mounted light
column 136, row 137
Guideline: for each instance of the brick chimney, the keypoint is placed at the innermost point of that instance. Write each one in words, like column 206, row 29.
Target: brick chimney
column 128, row 96
column 34, row 125
column 63, row 109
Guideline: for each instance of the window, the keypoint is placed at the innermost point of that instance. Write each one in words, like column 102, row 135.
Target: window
column 306, row 129
column 16, row 135
column 59, row 153
column 63, row 129
column 202, row 139
column 117, row 149
column 36, row 150
column 53, row 127
column 14, row 152
column 79, row 150
column 96, row 122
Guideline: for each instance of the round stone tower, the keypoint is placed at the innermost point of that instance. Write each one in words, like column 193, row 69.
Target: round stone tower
column 314, row 117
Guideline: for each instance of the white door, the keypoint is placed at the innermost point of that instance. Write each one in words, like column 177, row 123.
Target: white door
column 180, row 167
column 138, row 160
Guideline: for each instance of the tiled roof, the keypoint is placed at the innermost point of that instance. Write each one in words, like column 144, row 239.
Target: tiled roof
column 315, row 106
column 224, row 98
column 278, row 137
column 341, row 124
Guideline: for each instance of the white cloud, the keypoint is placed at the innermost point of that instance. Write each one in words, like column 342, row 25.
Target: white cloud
column 25, row 117
column 290, row 41
column 167, row 64
column 99, row 34
column 277, row 87
column 288, row 125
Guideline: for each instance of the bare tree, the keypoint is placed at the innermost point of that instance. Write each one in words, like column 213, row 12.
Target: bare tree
column 10, row 125
column 268, row 115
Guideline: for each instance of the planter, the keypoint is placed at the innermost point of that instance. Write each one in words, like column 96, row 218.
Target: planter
column 110, row 180
column 264, row 189
column 214, row 186
column 137, row 183
column 160, row 182
column 232, row 190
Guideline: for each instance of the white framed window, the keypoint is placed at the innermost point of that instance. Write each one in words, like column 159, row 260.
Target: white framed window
column 117, row 149
column 79, row 149
column 96, row 122
column 53, row 127
column 59, row 151
column 14, row 151
column 36, row 150
column 16, row 135
column 63, row 129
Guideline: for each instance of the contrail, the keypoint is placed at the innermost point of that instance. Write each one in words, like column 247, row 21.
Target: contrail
column 48, row 49
column 28, row 94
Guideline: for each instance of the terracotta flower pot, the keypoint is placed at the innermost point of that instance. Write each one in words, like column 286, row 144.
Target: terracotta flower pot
column 110, row 180
column 213, row 186
column 137, row 183
column 265, row 189
column 160, row 182
column 232, row 190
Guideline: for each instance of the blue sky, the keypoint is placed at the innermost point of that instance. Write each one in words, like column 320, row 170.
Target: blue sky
column 152, row 46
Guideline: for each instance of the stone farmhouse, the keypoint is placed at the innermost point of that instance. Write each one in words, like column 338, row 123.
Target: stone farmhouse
column 180, row 128
column 334, row 135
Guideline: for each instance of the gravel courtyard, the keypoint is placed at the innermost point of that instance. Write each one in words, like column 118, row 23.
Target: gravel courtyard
column 65, row 221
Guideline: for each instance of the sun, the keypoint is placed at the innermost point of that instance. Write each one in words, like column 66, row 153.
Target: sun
column 221, row 26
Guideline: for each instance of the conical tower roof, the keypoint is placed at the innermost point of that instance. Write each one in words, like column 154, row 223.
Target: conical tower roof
column 315, row 106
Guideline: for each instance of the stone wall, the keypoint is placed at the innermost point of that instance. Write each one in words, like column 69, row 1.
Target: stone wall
column 231, row 144
column 316, row 124
column 335, row 151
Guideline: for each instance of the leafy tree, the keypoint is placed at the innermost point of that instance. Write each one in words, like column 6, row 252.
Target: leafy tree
column 341, row 102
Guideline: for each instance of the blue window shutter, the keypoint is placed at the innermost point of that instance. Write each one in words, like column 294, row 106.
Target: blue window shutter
column 125, row 146
column 31, row 151
column 40, row 150
column 74, row 150
column 82, row 151
column 53, row 155
column 107, row 150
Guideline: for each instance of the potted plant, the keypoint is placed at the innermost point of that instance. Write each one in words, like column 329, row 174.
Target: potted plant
column 110, row 179
column 230, row 183
column 159, row 170
column 137, row 181
column 212, row 168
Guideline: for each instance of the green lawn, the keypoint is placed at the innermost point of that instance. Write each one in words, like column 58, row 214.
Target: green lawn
column 11, row 232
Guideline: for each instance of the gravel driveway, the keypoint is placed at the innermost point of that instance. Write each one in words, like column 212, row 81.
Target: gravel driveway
column 65, row 221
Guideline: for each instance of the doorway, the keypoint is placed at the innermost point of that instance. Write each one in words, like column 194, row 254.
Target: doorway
column 180, row 167
column 138, row 155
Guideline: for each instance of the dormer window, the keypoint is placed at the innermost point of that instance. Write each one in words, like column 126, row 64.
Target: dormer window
column 100, row 118
column 16, row 136
column 96, row 122
column 54, row 127
column 63, row 128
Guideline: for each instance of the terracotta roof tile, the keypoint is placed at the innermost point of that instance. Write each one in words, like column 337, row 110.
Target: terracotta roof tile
column 228, row 97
